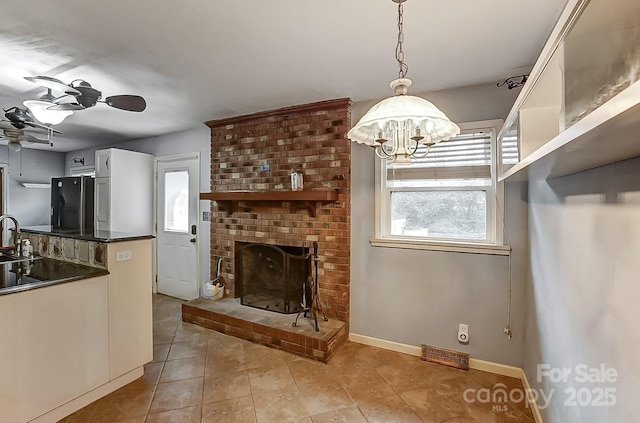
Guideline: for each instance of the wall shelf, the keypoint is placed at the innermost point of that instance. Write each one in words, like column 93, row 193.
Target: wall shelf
column 299, row 199
column 38, row 185
column 607, row 135
column 580, row 107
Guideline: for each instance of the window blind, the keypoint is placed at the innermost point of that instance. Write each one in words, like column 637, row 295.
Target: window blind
column 509, row 146
column 464, row 157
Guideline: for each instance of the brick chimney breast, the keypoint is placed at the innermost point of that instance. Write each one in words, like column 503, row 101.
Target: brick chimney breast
column 311, row 139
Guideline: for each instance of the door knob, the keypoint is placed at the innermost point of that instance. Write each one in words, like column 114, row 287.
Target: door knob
column 192, row 240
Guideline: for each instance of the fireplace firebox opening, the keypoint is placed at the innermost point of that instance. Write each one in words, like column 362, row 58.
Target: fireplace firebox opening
column 272, row 277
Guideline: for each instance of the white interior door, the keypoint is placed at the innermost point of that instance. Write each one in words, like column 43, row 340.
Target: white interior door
column 177, row 222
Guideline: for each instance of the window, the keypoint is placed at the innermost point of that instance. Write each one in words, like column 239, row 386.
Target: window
column 176, row 201
column 450, row 197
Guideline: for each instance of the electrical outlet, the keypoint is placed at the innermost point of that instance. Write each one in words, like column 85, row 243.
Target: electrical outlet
column 123, row 256
column 206, row 216
column 463, row 333
column 265, row 167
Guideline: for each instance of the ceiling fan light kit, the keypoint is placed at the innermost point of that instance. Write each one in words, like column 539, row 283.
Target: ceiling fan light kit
column 40, row 110
column 398, row 125
column 14, row 145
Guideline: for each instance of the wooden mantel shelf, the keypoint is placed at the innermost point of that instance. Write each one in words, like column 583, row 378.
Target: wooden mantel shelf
column 300, row 199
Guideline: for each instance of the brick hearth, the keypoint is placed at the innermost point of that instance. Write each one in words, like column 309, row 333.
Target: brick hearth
column 271, row 329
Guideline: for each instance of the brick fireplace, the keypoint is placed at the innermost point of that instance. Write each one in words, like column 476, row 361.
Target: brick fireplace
column 258, row 152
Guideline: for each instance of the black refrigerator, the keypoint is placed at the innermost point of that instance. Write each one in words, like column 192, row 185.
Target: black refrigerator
column 72, row 202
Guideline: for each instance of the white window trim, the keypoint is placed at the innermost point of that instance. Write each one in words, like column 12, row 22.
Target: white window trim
column 495, row 215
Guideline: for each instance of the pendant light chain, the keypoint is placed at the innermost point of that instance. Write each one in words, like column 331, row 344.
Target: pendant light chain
column 399, row 52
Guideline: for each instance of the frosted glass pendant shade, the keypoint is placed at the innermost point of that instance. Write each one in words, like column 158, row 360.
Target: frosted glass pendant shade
column 41, row 112
column 410, row 113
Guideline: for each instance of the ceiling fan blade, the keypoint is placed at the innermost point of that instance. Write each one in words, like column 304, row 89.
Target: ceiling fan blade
column 74, row 107
column 31, row 138
column 52, row 83
column 40, row 126
column 132, row 103
column 5, row 124
column 62, row 98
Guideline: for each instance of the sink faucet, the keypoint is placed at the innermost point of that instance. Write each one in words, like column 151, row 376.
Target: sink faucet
column 17, row 235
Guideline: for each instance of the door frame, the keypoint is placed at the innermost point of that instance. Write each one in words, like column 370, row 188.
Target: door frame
column 169, row 159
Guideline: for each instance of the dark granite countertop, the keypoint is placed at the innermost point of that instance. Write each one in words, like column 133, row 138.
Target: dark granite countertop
column 41, row 272
column 99, row 236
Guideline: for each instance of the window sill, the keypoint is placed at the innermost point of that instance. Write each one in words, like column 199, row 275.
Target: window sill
column 453, row 247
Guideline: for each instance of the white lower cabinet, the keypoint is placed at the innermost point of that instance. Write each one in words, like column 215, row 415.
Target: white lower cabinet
column 64, row 346
column 54, row 346
column 130, row 315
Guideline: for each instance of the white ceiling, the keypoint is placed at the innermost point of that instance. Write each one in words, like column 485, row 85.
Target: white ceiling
column 196, row 60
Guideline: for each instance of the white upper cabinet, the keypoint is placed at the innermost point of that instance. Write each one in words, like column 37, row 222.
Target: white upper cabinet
column 580, row 107
column 103, row 157
column 124, row 191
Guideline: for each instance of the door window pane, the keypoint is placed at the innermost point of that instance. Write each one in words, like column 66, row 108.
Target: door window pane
column 456, row 214
column 176, row 201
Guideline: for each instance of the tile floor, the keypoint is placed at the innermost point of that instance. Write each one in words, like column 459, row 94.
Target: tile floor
column 199, row 375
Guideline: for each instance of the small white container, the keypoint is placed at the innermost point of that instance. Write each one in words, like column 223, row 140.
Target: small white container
column 297, row 182
column 212, row 291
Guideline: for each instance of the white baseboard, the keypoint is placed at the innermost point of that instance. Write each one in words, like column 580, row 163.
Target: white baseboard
column 537, row 416
column 76, row 404
column 497, row 368
column 386, row 345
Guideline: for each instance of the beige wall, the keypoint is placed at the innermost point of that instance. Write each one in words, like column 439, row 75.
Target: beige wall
column 415, row 296
column 584, row 292
column 31, row 206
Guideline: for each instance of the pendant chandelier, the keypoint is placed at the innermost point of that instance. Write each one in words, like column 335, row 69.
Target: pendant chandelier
column 397, row 126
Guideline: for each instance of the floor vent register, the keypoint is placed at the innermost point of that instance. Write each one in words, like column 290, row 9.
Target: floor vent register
column 450, row 358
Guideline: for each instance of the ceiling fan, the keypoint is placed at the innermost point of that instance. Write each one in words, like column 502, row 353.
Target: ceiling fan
column 84, row 96
column 18, row 120
column 17, row 136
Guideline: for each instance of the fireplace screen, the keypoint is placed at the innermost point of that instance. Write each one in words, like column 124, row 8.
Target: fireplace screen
column 272, row 277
